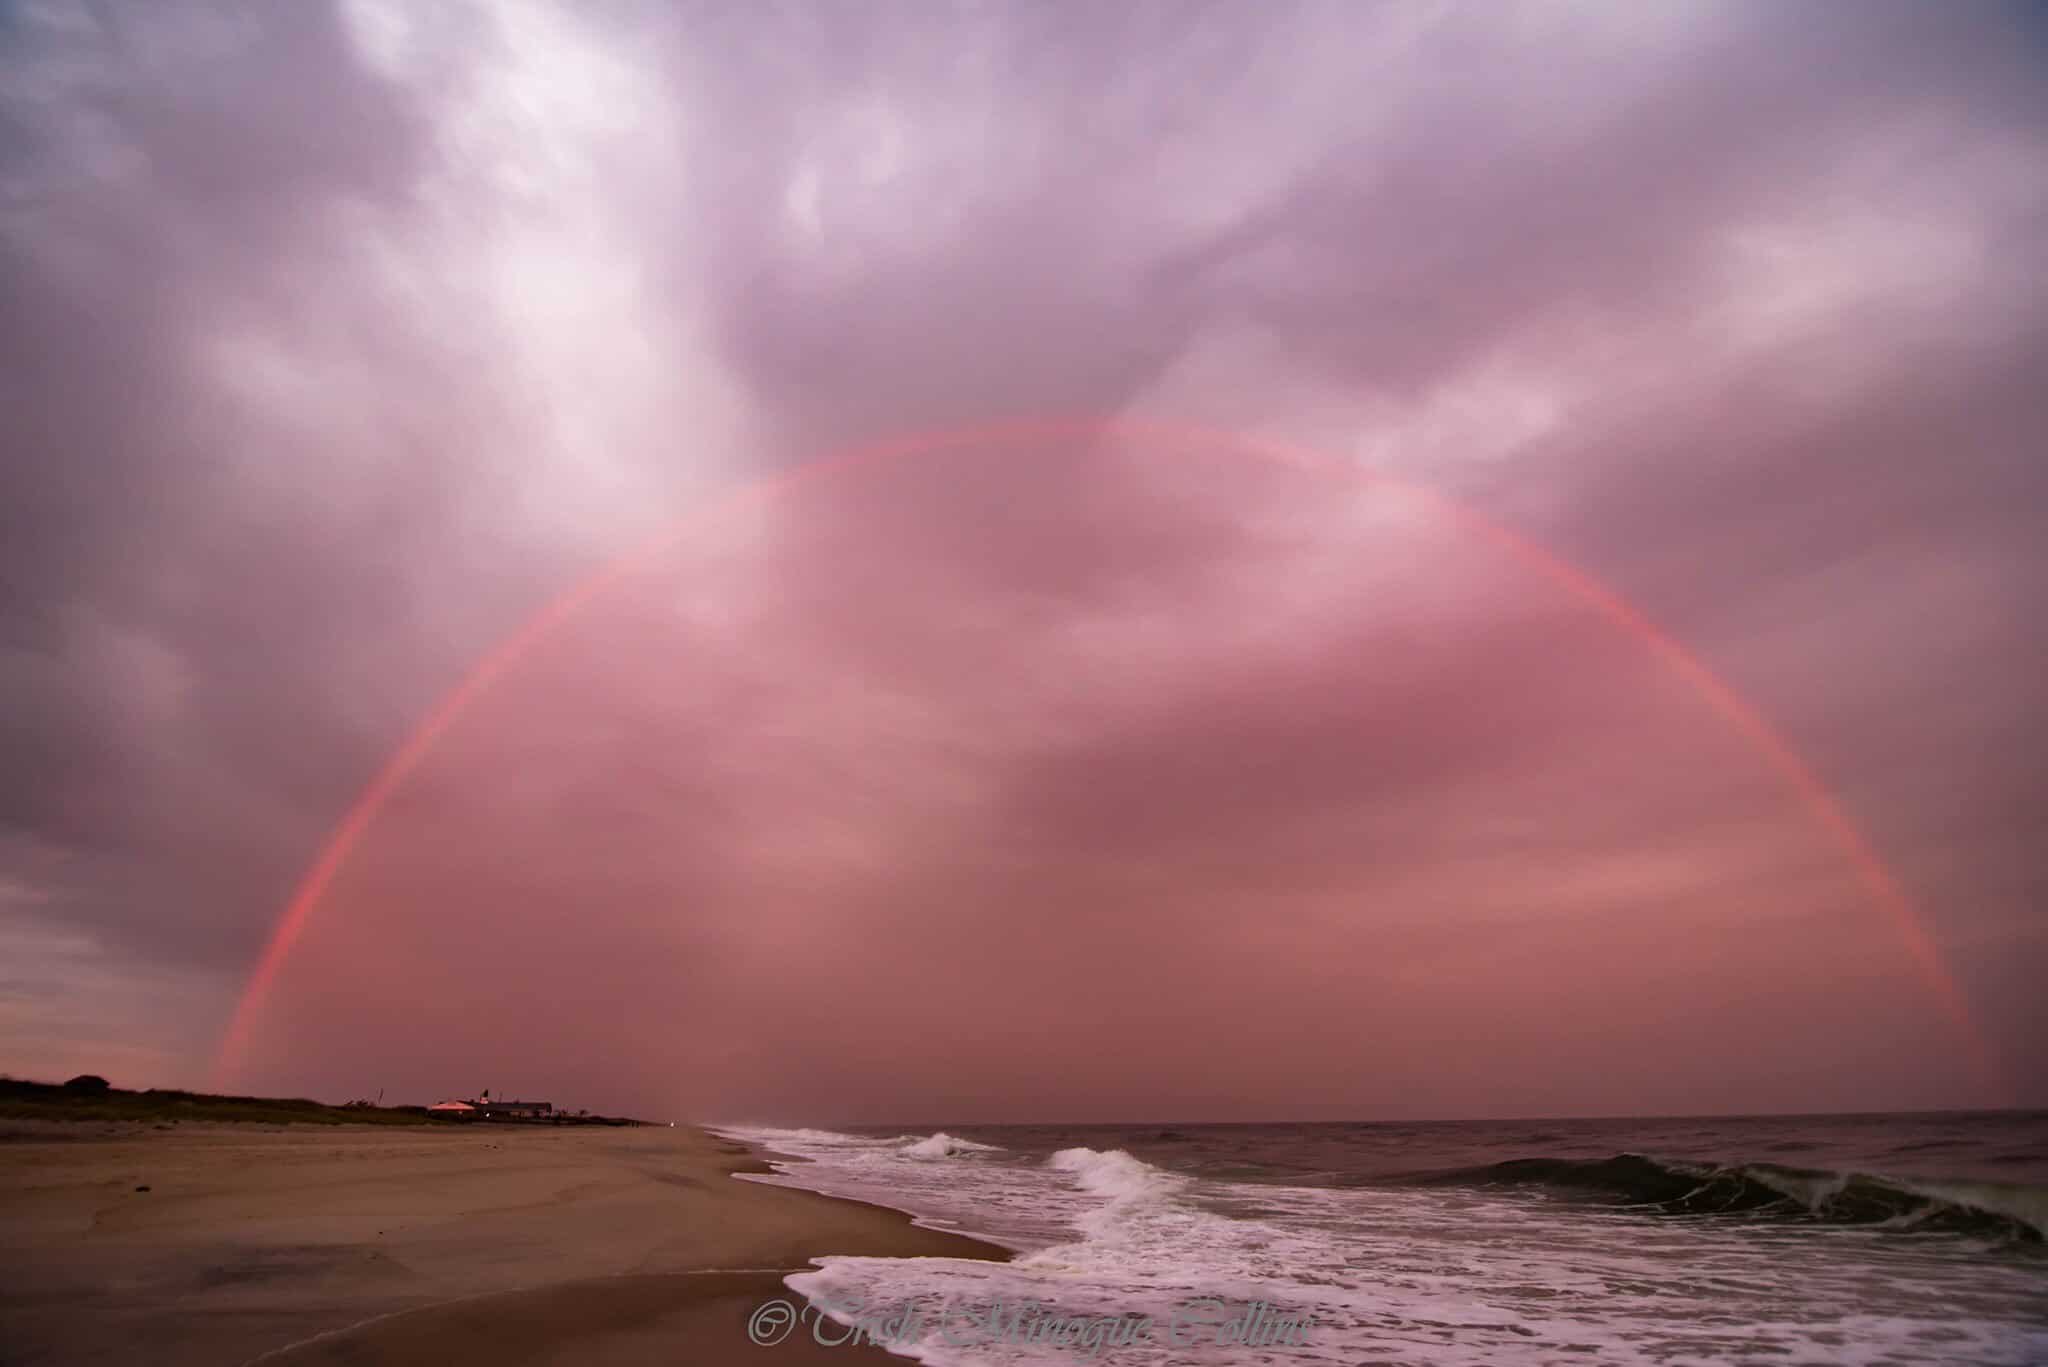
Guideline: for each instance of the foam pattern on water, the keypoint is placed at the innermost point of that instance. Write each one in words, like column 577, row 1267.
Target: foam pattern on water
column 1388, row 1275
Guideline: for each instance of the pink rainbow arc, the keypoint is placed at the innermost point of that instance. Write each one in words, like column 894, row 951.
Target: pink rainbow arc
column 1876, row 879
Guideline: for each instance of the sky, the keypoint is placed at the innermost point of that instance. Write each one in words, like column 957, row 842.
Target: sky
column 1059, row 772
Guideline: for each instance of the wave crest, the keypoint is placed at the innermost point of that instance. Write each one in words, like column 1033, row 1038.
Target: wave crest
column 943, row 1145
column 2007, row 1210
column 1114, row 1173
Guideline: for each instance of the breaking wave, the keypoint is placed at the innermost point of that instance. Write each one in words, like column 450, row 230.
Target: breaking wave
column 2004, row 1209
column 943, row 1145
column 1114, row 1173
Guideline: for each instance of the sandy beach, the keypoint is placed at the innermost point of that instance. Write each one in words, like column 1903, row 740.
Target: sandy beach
column 296, row 1246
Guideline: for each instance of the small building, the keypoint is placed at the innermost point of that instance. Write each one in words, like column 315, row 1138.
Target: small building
column 453, row 1110
column 516, row 1110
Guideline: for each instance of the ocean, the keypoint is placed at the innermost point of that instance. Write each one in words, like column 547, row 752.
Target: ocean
column 1869, row 1239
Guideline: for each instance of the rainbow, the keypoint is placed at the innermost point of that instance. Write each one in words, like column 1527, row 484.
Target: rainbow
column 1886, row 895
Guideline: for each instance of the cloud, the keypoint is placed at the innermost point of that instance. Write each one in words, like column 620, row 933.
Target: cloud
column 342, row 338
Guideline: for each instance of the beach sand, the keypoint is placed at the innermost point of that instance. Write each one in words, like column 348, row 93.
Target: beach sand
column 374, row 1245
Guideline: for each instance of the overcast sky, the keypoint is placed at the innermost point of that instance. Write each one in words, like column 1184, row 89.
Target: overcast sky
column 1071, row 776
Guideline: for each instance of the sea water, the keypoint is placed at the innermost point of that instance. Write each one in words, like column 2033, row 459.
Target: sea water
column 1875, row 1239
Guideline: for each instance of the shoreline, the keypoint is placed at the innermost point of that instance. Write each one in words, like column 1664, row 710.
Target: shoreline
column 975, row 1235
column 242, row 1244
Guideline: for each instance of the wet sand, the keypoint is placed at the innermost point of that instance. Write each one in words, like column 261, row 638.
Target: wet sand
column 301, row 1246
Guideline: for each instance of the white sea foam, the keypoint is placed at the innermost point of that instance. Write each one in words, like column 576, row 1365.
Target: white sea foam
column 1114, row 1174
column 943, row 1145
column 785, row 1139
column 1404, row 1275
